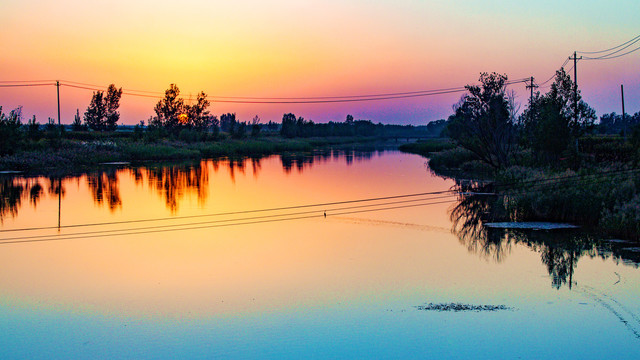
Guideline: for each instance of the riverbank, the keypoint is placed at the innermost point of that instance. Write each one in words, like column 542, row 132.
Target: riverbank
column 72, row 154
column 596, row 194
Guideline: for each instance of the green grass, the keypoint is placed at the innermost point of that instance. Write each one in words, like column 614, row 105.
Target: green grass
column 592, row 196
column 607, row 199
column 88, row 149
column 427, row 147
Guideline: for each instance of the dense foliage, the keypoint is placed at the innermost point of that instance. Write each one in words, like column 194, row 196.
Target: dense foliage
column 482, row 122
column 102, row 113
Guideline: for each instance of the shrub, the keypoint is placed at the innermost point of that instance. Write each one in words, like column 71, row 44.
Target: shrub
column 426, row 147
column 451, row 159
column 10, row 135
column 624, row 219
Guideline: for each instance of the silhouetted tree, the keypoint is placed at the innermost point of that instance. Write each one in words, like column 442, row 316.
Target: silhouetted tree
column 33, row 129
column 349, row 119
column 228, row 122
column 482, row 123
column 169, row 109
column 550, row 122
column 289, row 126
column 436, row 128
column 112, row 103
column 618, row 124
column 77, row 122
column 102, row 112
column 239, row 130
column 10, row 130
column 214, row 124
column 96, row 112
column 51, row 125
column 255, row 126
column 198, row 114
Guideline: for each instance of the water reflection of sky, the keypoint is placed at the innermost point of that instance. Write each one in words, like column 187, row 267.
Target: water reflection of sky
column 345, row 286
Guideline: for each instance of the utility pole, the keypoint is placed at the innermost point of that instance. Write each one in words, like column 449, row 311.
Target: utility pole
column 622, row 93
column 58, row 92
column 531, row 86
column 575, row 97
column 623, row 117
column 575, row 59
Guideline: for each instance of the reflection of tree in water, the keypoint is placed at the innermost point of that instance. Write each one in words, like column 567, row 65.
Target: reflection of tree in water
column 173, row 182
column 468, row 217
column 297, row 160
column 35, row 193
column 255, row 166
column 15, row 190
column 559, row 250
column 11, row 193
column 104, row 186
column 55, row 187
column 236, row 164
column 301, row 161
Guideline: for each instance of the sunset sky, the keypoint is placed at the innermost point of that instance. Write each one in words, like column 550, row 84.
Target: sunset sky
column 287, row 48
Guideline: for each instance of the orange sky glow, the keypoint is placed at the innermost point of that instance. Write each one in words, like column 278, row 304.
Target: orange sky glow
column 307, row 49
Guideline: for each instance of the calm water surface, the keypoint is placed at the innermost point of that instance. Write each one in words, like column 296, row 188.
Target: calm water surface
column 179, row 266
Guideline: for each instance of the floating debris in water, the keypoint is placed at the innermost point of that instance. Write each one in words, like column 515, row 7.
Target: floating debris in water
column 461, row 307
column 116, row 163
column 619, row 241
column 530, row 225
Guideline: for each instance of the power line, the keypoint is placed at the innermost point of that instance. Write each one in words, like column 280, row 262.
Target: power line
column 235, row 212
column 214, row 97
column 536, row 185
column 180, row 226
column 60, row 238
column 635, row 39
column 534, row 182
column 26, row 81
column 269, row 100
column 554, row 74
column 23, row 85
column 613, row 57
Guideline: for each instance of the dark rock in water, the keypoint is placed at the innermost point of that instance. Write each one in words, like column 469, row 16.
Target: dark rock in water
column 461, row 307
column 530, row 225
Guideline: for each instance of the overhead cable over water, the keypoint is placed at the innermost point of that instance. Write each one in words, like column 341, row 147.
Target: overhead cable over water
column 318, row 214
column 318, row 210
column 241, row 212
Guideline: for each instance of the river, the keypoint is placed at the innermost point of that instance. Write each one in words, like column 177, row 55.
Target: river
column 336, row 254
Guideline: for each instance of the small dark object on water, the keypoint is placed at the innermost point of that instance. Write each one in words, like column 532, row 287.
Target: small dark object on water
column 537, row 225
column 461, row 307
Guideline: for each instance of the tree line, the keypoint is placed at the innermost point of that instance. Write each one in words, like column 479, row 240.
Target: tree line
column 173, row 116
column 486, row 123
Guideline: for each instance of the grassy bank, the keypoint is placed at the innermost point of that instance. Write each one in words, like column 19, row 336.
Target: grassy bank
column 606, row 199
column 599, row 188
column 447, row 158
column 73, row 153
column 428, row 147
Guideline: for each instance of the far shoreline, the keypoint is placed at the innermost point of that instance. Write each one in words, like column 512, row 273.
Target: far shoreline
column 60, row 157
